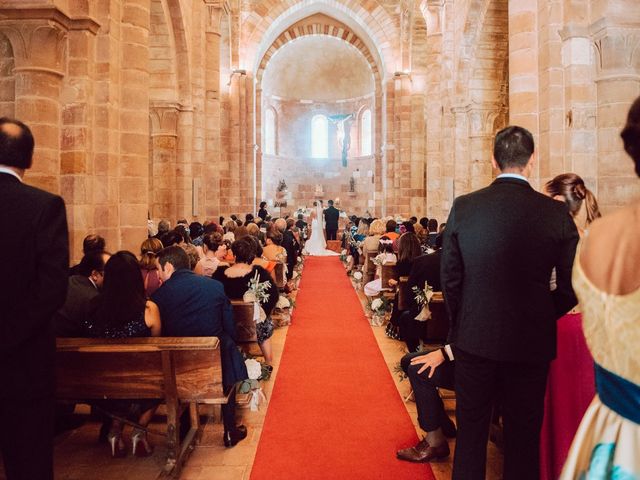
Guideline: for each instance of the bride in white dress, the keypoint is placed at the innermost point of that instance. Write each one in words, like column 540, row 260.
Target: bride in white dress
column 317, row 244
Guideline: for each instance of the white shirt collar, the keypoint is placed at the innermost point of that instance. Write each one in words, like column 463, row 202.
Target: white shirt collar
column 10, row 172
column 513, row 175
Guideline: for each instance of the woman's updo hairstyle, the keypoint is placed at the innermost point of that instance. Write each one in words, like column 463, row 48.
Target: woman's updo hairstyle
column 572, row 188
column 631, row 134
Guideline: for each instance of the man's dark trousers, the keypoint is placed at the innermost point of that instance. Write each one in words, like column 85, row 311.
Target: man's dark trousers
column 521, row 387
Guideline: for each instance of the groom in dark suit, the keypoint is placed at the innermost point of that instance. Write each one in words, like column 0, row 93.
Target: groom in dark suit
column 34, row 268
column 331, row 215
column 501, row 245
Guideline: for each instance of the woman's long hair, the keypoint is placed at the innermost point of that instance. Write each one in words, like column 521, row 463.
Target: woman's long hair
column 122, row 297
column 408, row 247
column 148, row 250
column 572, row 188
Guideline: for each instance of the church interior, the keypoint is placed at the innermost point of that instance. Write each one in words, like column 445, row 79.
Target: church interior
column 150, row 110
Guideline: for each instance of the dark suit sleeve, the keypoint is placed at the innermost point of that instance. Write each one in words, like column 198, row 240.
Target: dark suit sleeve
column 452, row 271
column 563, row 296
column 48, row 289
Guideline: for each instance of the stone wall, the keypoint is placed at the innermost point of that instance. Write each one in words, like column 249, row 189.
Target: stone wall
column 154, row 107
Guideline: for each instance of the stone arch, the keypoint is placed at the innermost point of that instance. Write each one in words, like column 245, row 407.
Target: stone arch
column 379, row 31
column 169, row 57
column 7, row 79
column 319, row 25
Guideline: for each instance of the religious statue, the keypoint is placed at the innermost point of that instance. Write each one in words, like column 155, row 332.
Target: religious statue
column 343, row 124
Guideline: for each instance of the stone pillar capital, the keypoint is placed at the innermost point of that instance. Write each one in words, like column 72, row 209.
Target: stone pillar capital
column 617, row 49
column 215, row 9
column 482, row 119
column 38, row 36
column 164, row 118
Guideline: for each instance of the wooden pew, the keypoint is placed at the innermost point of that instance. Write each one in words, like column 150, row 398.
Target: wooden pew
column 247, row 338
column 438, row 324
column 182, row 372
column 404, row 293
column 280, row 276
column 388, row 272
column 371, row 267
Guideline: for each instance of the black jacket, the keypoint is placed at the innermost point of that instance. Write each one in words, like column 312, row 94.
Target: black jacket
column 500, row 247
column 34, row 271
column 331, row 216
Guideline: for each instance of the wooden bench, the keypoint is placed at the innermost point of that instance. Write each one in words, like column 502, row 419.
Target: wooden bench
column 246, row 335
column 437, row 327
column 280, row 276
column 371, row 267
column 404, row 294
column 388, row 272
column 182, row 372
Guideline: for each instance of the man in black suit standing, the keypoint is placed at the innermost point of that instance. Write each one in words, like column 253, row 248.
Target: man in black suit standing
column 500, row 247
column 331, row 215
column 34, row 266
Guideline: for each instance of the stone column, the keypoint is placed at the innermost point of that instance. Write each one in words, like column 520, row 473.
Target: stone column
column 212, row 109
column 39, row 48
column 164, row 151
column 461, row 150
column 580, row 137
column 618, row 84
column 481, row 132
column 133, row 182
column 433, row 12
column 523, row 65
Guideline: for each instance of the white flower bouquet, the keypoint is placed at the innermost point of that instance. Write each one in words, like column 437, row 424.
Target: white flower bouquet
column 258, row 293
column 422, row 298
column 254, row 368
column 283, row 302
column 379, row 307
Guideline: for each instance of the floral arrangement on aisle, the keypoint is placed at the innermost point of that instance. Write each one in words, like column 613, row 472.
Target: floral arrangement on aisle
column 422, row 298
column 379, row 308
column 281, row 314
column 343, row 256
column 258, row 294
column 356, row 278
column 256, row 371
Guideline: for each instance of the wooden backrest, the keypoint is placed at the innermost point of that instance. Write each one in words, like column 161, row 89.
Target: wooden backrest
column 186, row 368
column 371, row 267
column 438, row 324
column 280, row 276
column 245, row 324
column 404, row 293
column 388, row 271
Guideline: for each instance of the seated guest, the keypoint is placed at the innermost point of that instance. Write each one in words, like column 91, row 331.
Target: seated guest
column 390, row 230
column 432, row 226
column 254, row 230
column 69, row 321
column 248, row 218
column 229, row 230
column 301, row 224
column 427, row 373
column 164, row 226
column 195, row 306
column 425, row 268
column 235, row 280
column 194, row 258
column 196, row 232
column 273, row 250
column 215, row 250
column 240, row 232
column 269, row 266
column 385, row 255
column 183, row 231
column 171, row 238
column 91, row 243
column 291, row 246
column 121, row 311
column 408, row 251
column 149, row 265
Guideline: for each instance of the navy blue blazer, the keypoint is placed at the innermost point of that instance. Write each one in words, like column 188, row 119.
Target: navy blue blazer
column 195, row 306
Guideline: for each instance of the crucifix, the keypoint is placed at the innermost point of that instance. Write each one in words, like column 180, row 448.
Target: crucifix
column 343, row 124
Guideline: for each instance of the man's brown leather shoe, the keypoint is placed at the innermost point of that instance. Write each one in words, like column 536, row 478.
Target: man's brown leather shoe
column 423, row 452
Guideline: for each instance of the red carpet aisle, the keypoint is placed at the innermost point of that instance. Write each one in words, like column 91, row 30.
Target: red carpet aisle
column 335, row 412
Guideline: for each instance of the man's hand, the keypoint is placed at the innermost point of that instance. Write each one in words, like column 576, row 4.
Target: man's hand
column 432, row 359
